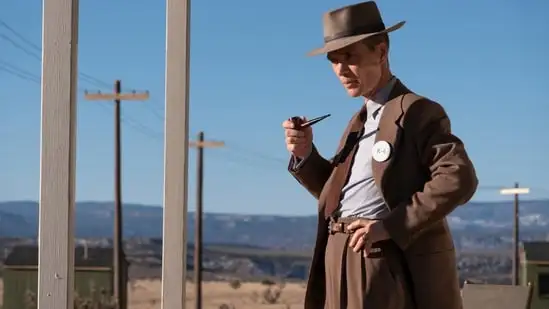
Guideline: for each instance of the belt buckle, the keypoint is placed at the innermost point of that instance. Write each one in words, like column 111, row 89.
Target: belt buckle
column 335, row 227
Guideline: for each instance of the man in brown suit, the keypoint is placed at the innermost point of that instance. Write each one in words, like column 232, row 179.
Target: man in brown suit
column 382, row 240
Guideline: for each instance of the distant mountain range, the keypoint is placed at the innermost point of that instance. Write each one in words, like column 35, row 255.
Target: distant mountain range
column 95, row 219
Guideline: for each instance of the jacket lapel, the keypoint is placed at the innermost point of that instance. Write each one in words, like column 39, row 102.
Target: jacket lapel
column 390, row 130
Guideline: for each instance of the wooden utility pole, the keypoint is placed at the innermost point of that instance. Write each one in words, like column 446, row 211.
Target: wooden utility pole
column 516, row 191
column 516, row 223
column 200, row 144
column 119, row 280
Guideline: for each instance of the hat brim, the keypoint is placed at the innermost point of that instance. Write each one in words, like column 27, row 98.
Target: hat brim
column 346, row 41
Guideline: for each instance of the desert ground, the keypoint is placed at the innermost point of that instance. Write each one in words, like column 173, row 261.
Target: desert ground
column 145, row 294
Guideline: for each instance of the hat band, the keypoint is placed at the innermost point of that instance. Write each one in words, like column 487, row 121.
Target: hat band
column 356, row 31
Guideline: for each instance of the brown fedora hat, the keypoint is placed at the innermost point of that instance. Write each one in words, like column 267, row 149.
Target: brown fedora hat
column 351, row 24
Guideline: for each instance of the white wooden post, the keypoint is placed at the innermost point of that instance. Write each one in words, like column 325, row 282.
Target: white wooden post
column 58, row 154
column 176, row 149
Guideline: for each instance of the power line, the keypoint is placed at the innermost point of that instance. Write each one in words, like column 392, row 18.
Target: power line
column 18, row 46
column 17, row 34
column 34, row 78
column 85, row 77
column 19, row 73
column 38, row 49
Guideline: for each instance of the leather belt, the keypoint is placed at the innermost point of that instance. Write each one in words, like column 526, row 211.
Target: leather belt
column 335, row 227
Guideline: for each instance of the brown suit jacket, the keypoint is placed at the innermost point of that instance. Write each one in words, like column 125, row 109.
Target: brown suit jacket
column 428, row 175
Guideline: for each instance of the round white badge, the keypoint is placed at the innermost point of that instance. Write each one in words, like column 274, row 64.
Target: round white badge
column 381, row 151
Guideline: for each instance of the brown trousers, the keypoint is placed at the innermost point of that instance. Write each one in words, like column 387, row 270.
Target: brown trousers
column 353, row 281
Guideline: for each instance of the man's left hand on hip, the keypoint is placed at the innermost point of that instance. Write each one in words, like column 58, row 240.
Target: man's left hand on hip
column 365, row 232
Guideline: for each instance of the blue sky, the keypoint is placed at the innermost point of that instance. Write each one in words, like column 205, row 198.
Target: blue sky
column 485, row 61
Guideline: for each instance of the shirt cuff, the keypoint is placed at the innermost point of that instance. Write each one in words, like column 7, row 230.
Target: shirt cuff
column 298, row 162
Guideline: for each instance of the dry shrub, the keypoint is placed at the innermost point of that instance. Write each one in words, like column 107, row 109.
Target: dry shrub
column 272, row 294
column 235, row 284
column 268, row 282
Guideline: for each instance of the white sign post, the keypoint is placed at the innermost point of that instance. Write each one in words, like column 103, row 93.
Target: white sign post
column 176, row 150
column 58, row 154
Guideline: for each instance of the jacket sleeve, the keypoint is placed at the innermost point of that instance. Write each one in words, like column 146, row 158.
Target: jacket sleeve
column 453, row 179
column 312, row 173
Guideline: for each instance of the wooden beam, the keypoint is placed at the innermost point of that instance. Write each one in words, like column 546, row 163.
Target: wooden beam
column 58, row 154
column 176, row 150
column 113, row 96
column 206, row 144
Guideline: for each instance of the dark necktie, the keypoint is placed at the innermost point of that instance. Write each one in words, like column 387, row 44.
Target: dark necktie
column 343, row 160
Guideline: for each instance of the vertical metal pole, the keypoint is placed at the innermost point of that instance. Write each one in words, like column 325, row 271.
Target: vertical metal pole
column 118, row 283
column 57, row 154
column 176, row 150
column 516, row 239
column 198, row 224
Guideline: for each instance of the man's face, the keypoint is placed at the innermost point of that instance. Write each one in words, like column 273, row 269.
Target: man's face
column 358, row 67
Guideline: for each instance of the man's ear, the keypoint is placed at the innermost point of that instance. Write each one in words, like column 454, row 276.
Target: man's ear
column 383, row 52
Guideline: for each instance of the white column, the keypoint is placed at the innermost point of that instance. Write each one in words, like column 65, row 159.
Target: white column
column 58, row 154
column 176, row 149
